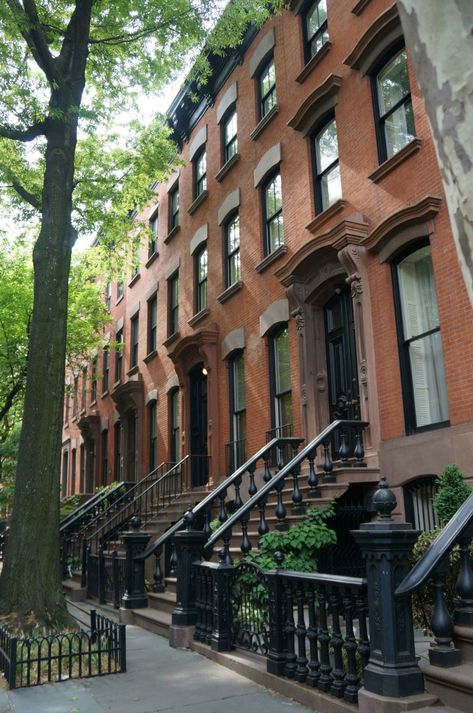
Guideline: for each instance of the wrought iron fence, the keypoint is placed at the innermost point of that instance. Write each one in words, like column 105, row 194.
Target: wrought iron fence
column 250, row 609
column 32, row 661
column 106, row 577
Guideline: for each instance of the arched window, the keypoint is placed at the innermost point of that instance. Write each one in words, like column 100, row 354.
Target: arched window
column 420, row 345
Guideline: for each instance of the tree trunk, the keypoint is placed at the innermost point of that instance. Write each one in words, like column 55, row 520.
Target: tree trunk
column 30, row 583
column 439, row 39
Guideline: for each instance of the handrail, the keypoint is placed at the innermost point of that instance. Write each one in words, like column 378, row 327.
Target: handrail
column 131, row 503
column 224, row 485
column 89, row 505
column 455, row 528
column 286, row 470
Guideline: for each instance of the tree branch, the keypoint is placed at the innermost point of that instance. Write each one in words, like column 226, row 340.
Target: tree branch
column 138, row 35
column 14, row 391
column 25, row 135
column 23, row 192
column 28, row 22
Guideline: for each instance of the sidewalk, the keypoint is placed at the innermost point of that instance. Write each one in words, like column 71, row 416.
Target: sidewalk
column 158, row 679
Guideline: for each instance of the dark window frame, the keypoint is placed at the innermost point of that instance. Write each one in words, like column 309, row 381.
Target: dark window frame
column 271, row 92
column 236, row 415
column 93, row 391
column 119, row 356
column 104, row 454
column 173, row 305
column 134, row 339
column 319, row 176
column 173, row 209
column 267, row 220
column 83, row 403
column 75, row 398
column 229, row 148
column 322, row 29
column 386, row 57
column 174, row 430
column 230, row 256
column 105, row 368
column 274, row 394
column 152, row 331
column 117, row 443
column 407, row 386
column 152, row 435
column 200, row 181
column 201, row 284
column 154, row 227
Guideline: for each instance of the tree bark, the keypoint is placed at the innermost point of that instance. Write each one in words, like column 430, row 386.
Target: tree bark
column 439, row 39
column 30, row 583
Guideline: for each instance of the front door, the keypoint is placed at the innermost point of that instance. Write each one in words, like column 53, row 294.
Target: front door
column 198, row 421
column 344, row 395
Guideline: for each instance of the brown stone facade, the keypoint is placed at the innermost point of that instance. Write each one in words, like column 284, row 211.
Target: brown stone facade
column 347, row 249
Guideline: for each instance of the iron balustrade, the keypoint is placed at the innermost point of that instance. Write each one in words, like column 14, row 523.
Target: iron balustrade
column 280, row 455
column 106, row 577
column 220, row 497
column 292, row 470
column 435, row 565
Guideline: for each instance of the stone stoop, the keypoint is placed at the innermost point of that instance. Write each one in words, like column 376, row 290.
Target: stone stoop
column 453, row 686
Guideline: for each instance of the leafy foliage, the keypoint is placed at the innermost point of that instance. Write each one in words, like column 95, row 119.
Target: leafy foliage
column 452, row 491
column 300, row 544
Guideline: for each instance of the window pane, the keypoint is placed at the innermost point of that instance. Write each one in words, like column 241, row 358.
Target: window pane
column 393, row 82
column 234, row 235
column 268, row 78
column 331, row 187
column 284, row 414
column 276, row 233
column 417, row 292
column 281, row 354
column 238, row 383
column 428, row 380
column 231, row 128
column 399, row 128
column 327, row 146
column 203, row 264
column 234, row 268
column 201, row 166
column 273, row 195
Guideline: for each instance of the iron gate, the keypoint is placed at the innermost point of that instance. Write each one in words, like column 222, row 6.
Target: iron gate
column 250, row 609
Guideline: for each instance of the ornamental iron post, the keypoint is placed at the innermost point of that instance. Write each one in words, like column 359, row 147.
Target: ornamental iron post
column 135, row 542
column 222, row 605
column 188, row 544
column 277, row 652
column 386, row 546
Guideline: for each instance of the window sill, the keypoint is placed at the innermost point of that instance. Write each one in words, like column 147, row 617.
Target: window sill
column 272, row 257
column 93, row 403
column 149, row 357
column 119, row 299
column 259, row 128
column 227, row 166
column 197, row 202
column 74, row 419
column 197, row 317
column 328, row 213
column 430, row 427
column 167, row 343
column 313, row 62
column 132, row 371
column 360, row 6
column 226, row 294
column 134, row 279
column 408, row 150
column 171, row 234
column 117, row 384
column 151, row 259
column 104, row 394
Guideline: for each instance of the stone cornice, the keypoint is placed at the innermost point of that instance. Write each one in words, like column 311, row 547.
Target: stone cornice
column 419, row 212
column 316, row 103
column 383, row 25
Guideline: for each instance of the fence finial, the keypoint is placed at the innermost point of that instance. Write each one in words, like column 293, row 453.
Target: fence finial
column 384, row 500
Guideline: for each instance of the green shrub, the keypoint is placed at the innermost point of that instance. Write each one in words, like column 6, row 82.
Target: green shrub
column 452, row 491
column 68, row 505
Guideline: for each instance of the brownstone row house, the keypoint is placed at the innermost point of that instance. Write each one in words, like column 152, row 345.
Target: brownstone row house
column 301, row 268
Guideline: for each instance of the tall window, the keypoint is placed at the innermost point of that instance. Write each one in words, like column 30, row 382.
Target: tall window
column 117, row 454
column 106, row 368
column 135, row 261
column 93, row 392
column 174, row 207
column 230, row 143
column 152, row 323
column 281, row 382
column 134, row 340
column 104, row 468
column 173, row 304
column 422, row 367
column 119, row 355
column 238, row 411
column 84, row 389
column 174, row 445
column 68, row 403
column 201, row 264
column 119, row 289
column 315, row 28
column 232, row 250
column 153, row 435
column 393, row 106
column 273, row 220
column 200, row 172
column 75, row 403
column 108, row 295
column 328, row 184
column 153, row 241
column 267, row 88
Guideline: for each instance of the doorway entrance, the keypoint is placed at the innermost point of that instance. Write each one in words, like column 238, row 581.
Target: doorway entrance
column 342, row 370
column 198, row 426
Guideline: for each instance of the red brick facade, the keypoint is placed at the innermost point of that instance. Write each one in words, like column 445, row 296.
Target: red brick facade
column 383, row 209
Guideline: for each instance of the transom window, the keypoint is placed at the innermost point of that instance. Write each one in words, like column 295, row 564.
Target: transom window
column 393, row 106
column 315, row 28
column 273, row 219
column 267, row 88
column 281, row 383
column 174, row 207
column 232, row 249
column 201, row 260
column 173, row 304
column 422, row 366
column 200, row 173
column 328, row 184
column 230, row 143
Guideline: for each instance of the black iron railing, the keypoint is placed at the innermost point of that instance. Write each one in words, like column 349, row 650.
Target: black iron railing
column 106, row 577
column 291, row 470
column 280, row 455
column 227, row 496
column 31, row 661
column 91, row 508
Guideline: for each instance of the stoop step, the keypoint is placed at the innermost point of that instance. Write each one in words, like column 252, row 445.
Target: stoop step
column 453, row 686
